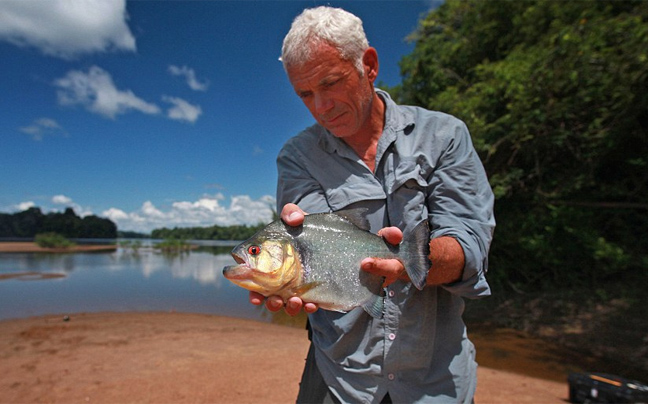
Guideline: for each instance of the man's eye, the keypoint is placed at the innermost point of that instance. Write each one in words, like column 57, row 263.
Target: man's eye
column 331, row 83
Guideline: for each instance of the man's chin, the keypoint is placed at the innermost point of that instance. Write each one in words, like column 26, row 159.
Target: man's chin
column 338, row 131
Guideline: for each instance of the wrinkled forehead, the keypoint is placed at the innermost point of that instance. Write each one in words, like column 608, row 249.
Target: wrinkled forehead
column 326, row 64
column 312, row 51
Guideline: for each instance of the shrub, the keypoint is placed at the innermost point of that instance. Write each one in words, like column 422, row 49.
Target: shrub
column 53, row 240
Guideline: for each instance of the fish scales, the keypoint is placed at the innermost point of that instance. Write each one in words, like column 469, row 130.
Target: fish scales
column 319, row 261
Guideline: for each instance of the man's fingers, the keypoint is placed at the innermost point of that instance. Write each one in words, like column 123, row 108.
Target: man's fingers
column 390, row 269
column 274, row 303
column 393, row 235
column 294, row 306
column 256, row 298
column 292, row 215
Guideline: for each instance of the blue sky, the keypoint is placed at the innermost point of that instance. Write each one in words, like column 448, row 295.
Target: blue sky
column 158, row 113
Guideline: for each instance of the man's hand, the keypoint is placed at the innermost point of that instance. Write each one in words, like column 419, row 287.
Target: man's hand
column 391, row 269
column 274, row 303
column 292, row 215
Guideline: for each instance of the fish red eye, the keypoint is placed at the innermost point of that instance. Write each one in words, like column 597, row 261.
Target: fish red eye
column 254, row 250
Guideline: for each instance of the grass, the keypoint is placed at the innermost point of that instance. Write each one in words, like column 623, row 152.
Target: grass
column 53, row 240
column 174, row 245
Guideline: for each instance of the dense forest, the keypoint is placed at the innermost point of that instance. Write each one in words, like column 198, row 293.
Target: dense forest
column 555, row 94
column 30, row 222
column 207, row 233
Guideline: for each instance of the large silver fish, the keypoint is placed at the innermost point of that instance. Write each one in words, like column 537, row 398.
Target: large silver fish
column 319, row 261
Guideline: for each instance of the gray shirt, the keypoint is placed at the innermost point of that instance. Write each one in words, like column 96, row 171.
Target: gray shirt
column 426, row 167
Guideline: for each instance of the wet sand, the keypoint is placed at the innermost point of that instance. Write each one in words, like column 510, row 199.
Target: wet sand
column 182, row 358
column 29, row 247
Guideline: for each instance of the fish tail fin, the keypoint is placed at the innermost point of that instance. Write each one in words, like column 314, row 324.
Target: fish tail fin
column 415, row 251
column 374, row 306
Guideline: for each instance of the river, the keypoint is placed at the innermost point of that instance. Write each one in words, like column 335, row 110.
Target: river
column 124, row 280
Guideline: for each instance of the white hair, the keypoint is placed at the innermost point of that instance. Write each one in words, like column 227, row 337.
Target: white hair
column 333, row 26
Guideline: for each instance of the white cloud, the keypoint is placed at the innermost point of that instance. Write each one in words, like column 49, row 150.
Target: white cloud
column 66, row 28
column 61, row 200
column 97, row 92
column 190, row 75
column 207, row 211
column 182, row 110
column 42, row 127
column 115, row 214
column 69, row 203
column 24, row 206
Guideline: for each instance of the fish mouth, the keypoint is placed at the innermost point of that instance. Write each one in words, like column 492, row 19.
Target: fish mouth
column 238, row 258
column 240, row 271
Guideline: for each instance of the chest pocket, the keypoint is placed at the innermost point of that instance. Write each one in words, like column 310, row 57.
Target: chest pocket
column 349, row 193
column 409, row 173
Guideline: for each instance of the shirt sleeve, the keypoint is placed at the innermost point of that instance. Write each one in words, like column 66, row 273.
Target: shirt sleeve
column 460, row 205
column 296, row 185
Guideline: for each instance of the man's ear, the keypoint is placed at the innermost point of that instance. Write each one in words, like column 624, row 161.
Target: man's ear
column 370, row 64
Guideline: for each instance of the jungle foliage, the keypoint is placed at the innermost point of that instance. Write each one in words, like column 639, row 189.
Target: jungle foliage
column 30, row 222
column 555, row 94
column 237, row 232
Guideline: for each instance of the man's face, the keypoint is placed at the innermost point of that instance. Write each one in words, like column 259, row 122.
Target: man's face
column 334, row 92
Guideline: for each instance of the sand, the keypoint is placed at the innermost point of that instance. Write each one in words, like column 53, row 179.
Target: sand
column 30, row 247
column 182, row 358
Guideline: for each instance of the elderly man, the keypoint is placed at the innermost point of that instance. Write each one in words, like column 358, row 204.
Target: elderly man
column 403, row 164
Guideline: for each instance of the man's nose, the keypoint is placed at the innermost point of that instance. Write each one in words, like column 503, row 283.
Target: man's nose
column 322, row 103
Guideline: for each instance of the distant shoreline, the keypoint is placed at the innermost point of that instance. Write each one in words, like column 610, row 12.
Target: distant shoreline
column 31, row 247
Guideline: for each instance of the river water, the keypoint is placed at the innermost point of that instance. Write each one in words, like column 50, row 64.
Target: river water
column 124, row 280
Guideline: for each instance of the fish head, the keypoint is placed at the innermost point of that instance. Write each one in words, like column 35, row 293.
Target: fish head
column 265, row 264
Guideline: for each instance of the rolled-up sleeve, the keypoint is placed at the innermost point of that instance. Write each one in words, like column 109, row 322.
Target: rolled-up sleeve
column 460, row 205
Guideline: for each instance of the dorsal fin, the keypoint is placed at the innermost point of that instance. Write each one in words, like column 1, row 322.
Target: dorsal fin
column 357, row 216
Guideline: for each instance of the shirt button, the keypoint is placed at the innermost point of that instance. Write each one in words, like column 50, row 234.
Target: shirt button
column 391, row 376
column 392, row 336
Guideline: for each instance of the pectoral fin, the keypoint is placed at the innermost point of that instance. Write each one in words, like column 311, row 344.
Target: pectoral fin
column 305, row 288
column 415, row 250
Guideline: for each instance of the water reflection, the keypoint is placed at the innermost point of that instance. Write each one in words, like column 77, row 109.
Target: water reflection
column 204, row 267
column 124, row 280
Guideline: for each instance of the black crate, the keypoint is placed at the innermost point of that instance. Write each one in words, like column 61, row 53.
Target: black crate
column 591, row 388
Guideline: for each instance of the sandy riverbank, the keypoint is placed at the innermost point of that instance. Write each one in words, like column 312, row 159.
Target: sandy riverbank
column 29, row 247
column 181, row 358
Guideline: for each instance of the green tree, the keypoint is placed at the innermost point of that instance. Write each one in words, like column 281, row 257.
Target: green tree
column 556, row 97
column 25, row 223
column 32, row 221
column 66, row 223
column 236, row 232
column 96, row 227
